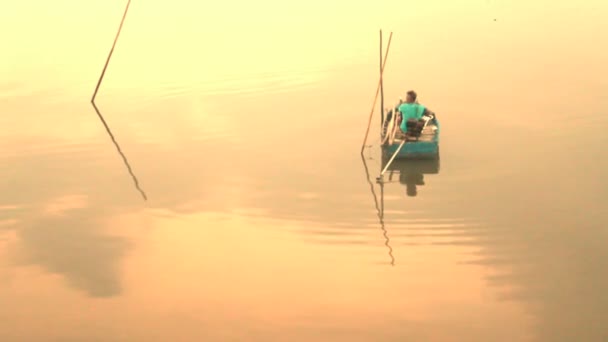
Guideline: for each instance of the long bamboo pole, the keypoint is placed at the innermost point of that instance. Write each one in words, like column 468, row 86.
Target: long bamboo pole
column 103, row 121
column 381, row 87
column 371, row 114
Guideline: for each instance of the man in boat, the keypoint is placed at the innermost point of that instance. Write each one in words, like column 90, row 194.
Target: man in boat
column 411, row 110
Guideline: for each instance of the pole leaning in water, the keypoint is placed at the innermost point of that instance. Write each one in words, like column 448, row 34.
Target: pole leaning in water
column 103, row 121
column 379, row 178
column 381, row 89
column 371, row 114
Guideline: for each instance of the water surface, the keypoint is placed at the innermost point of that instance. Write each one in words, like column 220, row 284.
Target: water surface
column 243, row 122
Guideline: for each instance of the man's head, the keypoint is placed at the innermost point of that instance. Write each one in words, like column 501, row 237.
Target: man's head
column 411, row 96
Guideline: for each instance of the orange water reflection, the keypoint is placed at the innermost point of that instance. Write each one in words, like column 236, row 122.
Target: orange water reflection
column 212, row 276
column 243, row 121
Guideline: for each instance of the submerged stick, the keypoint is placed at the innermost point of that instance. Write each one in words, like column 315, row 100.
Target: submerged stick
column 384, row 230
column 388, row 46
column 103, row 121
column 380, row 210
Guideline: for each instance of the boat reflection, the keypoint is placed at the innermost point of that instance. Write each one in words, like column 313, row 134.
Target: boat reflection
column 411, row 172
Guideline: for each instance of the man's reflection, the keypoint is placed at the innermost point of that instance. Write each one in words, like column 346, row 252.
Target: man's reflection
column 411, row 173
column 411, row 181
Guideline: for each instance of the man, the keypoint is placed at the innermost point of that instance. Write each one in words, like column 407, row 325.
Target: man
column 411, row 109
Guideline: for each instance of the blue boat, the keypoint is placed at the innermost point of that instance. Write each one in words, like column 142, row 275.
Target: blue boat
column 423, row 144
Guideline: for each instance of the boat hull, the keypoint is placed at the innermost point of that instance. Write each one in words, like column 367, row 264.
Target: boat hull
column 422, row 165
column 425, row 148
column 414, row 150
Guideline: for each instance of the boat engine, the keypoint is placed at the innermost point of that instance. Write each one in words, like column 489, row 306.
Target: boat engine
column 414, row 127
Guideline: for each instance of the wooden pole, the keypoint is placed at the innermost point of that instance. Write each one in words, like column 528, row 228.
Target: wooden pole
column 381, row 88
column 105, row 67
column 371, row 114
column 392, row 158
column 103, row 121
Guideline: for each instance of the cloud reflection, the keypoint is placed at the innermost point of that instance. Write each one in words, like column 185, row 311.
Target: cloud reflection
column 71, row 245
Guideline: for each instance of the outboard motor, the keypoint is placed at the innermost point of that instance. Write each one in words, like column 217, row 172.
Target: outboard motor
column 415, row 127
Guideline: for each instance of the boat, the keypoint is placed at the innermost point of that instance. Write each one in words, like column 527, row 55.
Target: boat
column 420, row 142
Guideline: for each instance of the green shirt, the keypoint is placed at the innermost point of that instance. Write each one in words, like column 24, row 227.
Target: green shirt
column 410, row 111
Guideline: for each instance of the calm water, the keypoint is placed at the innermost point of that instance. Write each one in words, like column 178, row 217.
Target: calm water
column 243, row 122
